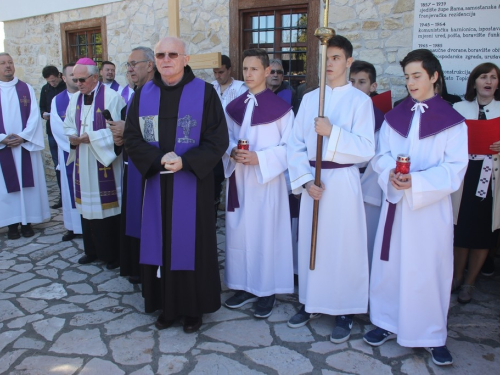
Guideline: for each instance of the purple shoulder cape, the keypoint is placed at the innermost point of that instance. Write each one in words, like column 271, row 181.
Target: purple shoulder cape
column 438, row 117
column 270, row 108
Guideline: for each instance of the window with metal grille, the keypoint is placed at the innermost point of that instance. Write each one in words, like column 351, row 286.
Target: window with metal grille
column 86, row 43
column 283, row 34
column 85, row 38
column 284, row 28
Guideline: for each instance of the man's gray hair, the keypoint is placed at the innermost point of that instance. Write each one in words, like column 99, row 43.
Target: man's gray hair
column 92, row 69
column 5, row 54
column 276, row 62
column 183, row 43
column 148, row 53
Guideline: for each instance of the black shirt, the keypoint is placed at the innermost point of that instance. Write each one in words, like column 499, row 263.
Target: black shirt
column 48, row 93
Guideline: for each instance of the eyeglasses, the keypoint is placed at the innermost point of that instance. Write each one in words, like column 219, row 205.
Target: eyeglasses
column 277, row 71
column 171, row 55
column 81, row 80
column 132, row 64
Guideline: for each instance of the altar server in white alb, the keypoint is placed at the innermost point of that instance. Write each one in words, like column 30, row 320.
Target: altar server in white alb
column 259, row 260
column 23, row 192
column 339, row 284
column 98, row 168
column 412, row 265
column 71, row 216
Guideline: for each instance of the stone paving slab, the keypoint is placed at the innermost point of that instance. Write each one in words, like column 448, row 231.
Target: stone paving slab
column 60, row 317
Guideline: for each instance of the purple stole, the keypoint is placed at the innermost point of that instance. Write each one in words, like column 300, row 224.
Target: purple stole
column 62, row 101
column 188, row 134
column 269, row 110
column 107, row 184
column 124, row 94
column 7, row 162
column 438, row 117
column 286, row 95
column 379, row 118
column 115, row 86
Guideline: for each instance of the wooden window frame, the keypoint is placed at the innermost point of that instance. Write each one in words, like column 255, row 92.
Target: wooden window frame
column 74, row 26
column 237, row 9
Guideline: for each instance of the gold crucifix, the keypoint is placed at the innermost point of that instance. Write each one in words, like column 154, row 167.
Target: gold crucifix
column 201, row 61
column 24, row 100
column 105, row 169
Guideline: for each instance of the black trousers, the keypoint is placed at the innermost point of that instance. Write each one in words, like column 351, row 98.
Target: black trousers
column 101, row 238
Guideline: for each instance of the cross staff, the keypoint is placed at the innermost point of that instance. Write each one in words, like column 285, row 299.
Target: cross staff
column 324, row 34
column 201, row 61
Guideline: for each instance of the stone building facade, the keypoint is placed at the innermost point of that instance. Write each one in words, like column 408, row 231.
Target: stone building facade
column 380, row 30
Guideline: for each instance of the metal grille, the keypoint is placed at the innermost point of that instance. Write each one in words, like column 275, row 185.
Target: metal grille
column 85, row 43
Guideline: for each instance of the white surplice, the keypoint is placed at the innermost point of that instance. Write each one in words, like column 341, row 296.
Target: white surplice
column 71, row 217
column 410, row 293
column 29, row 205
column 339, row 284
column 258, row 237
column 101, row 148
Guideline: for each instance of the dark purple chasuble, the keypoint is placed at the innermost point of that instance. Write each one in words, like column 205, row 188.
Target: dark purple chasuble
column 107, row 183
column 268, row 110
column 438, row 117
column 7, row 163
column 188, row 134
column 62, row 101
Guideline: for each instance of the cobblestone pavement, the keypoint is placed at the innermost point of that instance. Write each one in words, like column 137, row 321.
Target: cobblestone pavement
column 59, row 317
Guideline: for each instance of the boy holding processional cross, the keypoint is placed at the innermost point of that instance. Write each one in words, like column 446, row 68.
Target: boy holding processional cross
column 339, row 284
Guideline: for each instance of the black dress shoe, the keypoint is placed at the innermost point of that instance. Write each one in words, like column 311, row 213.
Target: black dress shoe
column 13, row 233
column 192, row 324
column 86, row 259
column 162, row 323
column 113, row 264
column 57, row 205
column 68, row 236
column 134, row 279
column 27, row 231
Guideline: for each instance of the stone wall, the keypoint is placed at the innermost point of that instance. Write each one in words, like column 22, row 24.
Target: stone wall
column 381, row 32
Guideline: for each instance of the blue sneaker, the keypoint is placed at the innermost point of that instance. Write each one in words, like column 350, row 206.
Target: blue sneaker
column 441, row 356
column 301, row 318
column 378, row 336
column 342, row 330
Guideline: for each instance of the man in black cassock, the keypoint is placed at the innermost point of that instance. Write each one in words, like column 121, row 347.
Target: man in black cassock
column 150, row 142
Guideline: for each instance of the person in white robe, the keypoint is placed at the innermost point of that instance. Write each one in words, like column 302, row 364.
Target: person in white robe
column 28, row 204
column 363, row 76
column 100, row 209
column 258, row 239
column 71, row 217
column 339, row 283
column 413, row 256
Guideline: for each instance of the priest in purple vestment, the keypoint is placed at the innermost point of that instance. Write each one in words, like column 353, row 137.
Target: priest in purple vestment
column 175, row 134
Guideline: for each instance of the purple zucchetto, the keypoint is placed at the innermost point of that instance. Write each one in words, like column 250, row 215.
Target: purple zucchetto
column 85, row 61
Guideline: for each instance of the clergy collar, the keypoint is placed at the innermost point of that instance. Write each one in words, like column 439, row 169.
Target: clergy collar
column 11, row 83
column 437, row 115
column 270, row 108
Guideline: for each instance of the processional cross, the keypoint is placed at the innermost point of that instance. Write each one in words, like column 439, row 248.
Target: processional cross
column 201, row 61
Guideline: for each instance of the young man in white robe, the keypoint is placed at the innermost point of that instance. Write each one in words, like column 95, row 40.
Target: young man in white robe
column 363, row 76
column 259, row 260
column 412, row 265
column 23, row 191
column 98, row 171
column 339, row 284
column 71, row 217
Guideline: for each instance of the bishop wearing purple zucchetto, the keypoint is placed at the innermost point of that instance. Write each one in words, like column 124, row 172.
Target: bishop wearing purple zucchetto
column 98, row 163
